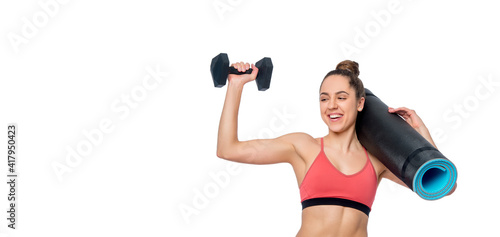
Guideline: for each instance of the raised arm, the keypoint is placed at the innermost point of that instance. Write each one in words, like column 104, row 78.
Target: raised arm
column 259, row 151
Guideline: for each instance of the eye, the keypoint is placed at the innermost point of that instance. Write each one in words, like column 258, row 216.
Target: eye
column 323, row 99
column 342, row 98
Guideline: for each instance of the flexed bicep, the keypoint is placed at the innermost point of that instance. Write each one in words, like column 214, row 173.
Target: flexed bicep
column 263, row 151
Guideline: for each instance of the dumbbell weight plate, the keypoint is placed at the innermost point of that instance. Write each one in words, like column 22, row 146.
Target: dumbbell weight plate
column 265, row 67
column 219, row 71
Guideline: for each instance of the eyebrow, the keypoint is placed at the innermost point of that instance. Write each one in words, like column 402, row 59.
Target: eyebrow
column 338, row 92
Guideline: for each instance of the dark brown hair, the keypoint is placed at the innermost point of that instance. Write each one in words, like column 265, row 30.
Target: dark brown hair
column 349, row 69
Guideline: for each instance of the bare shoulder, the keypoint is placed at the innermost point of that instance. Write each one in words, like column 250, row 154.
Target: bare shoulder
column 298, row 136
column 304, row 144
column 299, row 140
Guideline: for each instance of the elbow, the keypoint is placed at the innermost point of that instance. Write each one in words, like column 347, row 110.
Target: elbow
column 219, row 153
column 224, row 155
column 222, row 152
column 227, row 152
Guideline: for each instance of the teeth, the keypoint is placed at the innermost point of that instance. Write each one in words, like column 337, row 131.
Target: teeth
column 334, row 116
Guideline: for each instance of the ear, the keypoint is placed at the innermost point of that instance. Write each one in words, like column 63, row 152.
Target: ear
column 361, row 104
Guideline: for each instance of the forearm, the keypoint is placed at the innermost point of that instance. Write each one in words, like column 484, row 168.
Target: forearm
column 426, row 134
column 228, row 125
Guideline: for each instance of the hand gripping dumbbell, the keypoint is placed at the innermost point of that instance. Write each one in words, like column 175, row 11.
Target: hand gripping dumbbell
column 220, row 70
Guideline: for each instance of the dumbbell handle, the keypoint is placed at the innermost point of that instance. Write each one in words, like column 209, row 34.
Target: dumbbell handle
column 233, row 70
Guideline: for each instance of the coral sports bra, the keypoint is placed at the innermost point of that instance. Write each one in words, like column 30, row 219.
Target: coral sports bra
column 324, row 184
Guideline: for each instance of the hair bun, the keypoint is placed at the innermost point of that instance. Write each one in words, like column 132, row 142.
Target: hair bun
column 350, row 66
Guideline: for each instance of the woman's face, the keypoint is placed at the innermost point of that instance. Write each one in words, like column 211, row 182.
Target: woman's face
column 338, row 104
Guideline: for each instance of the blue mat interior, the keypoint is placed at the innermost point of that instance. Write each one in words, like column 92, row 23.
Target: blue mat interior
column 435, row 179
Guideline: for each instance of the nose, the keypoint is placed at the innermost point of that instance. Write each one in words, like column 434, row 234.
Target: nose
column 332, row 104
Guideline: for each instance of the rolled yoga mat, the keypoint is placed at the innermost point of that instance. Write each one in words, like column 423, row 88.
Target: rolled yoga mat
column 404, row 151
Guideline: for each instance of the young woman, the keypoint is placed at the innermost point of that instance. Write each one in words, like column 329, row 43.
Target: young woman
column 337, row 177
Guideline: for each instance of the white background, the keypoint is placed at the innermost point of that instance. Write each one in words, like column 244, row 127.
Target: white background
column 63, row 79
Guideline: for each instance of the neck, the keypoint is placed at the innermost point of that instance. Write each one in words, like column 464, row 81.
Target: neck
column 344, row 141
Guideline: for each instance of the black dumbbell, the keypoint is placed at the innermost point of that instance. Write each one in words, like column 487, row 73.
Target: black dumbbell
column 220, row 70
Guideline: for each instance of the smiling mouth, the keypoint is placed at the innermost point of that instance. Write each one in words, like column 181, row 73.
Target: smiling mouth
column 335, row 116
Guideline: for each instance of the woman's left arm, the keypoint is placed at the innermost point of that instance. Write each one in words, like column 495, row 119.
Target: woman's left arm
column 416, row 122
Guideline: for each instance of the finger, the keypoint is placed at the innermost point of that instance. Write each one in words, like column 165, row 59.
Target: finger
column 396, row 111
column 393, row 110
column 242, row 66
column 401, row 111
column 404, row 115
column 236, row 65
column 255, row 71
column 404, row 108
